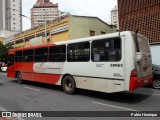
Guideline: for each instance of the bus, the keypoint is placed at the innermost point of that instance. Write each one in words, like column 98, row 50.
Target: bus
column 108, row 63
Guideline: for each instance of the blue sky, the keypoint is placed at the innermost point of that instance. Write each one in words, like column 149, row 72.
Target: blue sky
column 98, row 8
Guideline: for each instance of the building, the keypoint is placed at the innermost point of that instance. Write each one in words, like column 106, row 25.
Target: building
column 1, row 39
column 43, row 11
column 5, row 34
column 114, row 17
column 9, row 15
column 141, row 15
column 61, row 29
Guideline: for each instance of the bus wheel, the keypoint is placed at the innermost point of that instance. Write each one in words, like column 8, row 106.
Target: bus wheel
column 156, row 83
column 19, row 78
column 68, row 85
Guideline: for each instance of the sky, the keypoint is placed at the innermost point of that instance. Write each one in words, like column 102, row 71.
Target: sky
column 97, row 8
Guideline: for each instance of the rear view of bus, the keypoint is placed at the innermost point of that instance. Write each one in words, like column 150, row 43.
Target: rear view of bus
column 142, row 74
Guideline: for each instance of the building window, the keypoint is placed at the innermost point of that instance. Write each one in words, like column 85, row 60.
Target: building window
column 92, row 33
column 103, row 32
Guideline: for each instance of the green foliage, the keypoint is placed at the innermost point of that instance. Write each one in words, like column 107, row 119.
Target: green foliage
column 4, row 51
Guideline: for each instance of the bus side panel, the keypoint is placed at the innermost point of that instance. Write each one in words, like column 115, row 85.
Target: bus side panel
column 101, row 85
column 11, row 74
column 39, row 77
column 98, row 76
column 24, row 67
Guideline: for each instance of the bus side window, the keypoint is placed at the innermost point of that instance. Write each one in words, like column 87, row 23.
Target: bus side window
column 57, row 53
column 41, row 55
column 28, row 55
column 106, row 50
column 18, row 56
column 78, row 52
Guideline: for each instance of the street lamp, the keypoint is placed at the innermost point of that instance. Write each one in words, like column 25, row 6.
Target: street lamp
column 44, row 22
column 25, row 16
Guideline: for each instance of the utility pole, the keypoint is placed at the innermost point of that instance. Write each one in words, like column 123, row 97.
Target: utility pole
column 45, row 27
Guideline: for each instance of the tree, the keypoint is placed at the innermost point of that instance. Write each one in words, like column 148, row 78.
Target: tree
column 4, row 51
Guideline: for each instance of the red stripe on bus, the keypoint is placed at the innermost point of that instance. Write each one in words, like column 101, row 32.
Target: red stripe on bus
column 41, row 77
column 135, row 82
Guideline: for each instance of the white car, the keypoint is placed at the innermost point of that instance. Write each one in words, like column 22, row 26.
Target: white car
column 3, row 69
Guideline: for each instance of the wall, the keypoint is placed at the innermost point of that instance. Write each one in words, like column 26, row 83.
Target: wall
column 80, row 26
column 143, row 15
column 1, row 39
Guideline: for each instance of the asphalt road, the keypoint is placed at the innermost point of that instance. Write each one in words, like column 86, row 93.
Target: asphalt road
column 43, row 97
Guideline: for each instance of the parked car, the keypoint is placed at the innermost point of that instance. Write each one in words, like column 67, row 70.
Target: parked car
column 156, row 76
column 4, row 69
column 2, row 64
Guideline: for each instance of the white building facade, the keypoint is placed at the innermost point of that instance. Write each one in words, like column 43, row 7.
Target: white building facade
column 114, row 17
column 9, row 15
column 43, row 11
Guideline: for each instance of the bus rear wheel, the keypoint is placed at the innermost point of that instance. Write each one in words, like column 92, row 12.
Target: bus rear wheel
column 68, row 85
column 19, row 78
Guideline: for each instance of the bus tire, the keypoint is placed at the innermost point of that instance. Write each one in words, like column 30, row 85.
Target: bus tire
column 19, row 78
column 68, row 85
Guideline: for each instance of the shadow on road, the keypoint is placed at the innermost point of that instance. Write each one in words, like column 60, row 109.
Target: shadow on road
column 41, row 85
column 122, row 97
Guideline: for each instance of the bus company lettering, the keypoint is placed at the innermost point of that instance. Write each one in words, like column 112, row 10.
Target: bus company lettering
column 48, row 68
column 40, row 67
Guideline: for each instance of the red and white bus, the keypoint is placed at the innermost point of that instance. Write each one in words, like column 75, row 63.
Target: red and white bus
column 108, row 63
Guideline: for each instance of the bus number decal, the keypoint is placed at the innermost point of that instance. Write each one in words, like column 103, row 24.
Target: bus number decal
column 116, row 65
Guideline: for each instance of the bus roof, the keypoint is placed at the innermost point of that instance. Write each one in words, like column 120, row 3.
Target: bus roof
column 32, row 47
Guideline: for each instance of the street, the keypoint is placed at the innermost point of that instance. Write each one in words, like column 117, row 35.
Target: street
column 32, row 96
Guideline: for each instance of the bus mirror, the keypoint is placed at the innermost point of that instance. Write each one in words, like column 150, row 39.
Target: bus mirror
column 139, row 56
